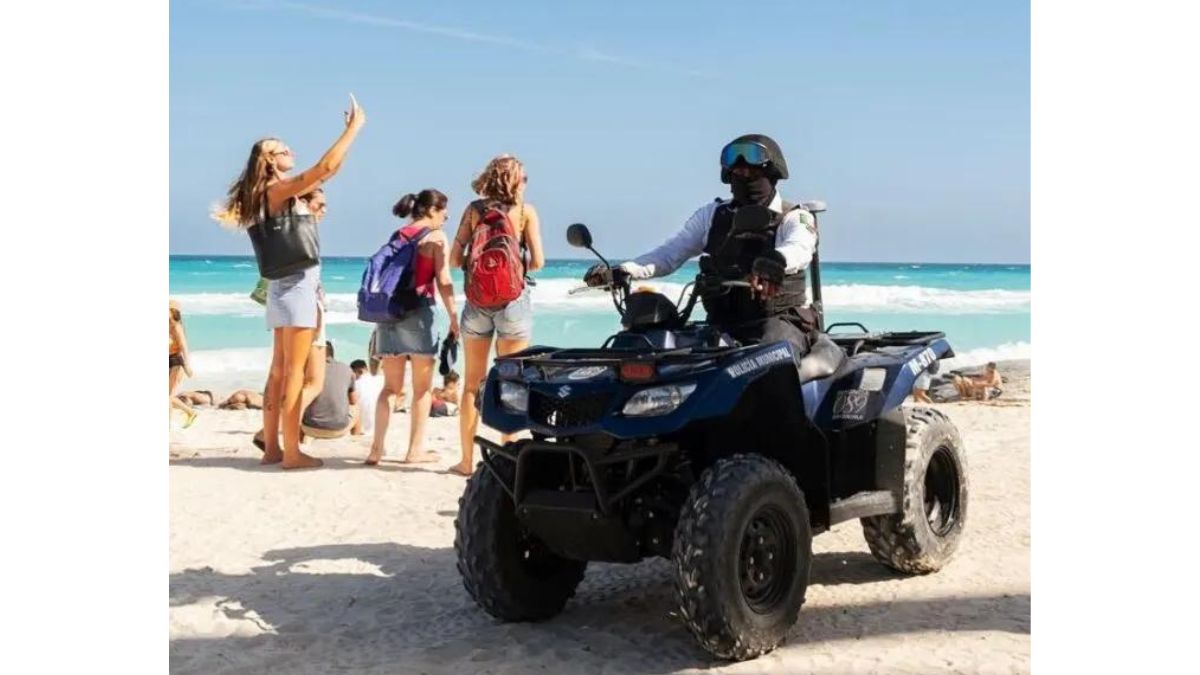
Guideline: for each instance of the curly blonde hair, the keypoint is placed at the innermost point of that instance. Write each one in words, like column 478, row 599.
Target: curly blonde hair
column 500, row 180
column 244, row 203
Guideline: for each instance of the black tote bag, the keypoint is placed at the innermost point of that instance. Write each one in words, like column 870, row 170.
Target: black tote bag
column 286, row 243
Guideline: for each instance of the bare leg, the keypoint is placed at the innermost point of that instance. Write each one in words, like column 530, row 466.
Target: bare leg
column 399, row 402
column 314, row 369
column 963, row 386
column 297, row 344
column 393, row 381
column 504, row 347
column 468, row 415
column 422, row 381
column 174, row 377
column 314, row 377
column 272, row 453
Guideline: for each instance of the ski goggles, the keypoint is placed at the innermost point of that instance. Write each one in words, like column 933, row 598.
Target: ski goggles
column 753, row 154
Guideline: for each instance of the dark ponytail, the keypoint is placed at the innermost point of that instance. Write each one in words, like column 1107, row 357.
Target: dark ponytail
column 419, row 205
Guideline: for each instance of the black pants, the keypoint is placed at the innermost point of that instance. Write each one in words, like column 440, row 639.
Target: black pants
column 771, row 329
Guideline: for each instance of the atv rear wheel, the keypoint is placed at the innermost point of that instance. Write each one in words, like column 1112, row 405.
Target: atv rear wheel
column 922, row 538
column 742, row 552
column 509, row 572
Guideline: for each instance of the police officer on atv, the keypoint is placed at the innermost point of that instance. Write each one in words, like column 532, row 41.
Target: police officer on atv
column 773, row 307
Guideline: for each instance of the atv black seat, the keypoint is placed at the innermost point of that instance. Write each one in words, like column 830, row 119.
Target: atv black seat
column 823, row 359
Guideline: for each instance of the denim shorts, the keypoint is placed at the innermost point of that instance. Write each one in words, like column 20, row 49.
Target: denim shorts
column 514, row 321
column 411, row 335
column 292, row 300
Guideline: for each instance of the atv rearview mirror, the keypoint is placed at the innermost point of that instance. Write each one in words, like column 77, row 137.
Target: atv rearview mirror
column 751, row 218
column 579, row 236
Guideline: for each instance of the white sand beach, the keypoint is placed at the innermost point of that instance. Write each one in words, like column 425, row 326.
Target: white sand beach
column 351, row 568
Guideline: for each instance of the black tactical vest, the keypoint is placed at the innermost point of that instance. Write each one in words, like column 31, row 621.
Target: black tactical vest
column 734, row 258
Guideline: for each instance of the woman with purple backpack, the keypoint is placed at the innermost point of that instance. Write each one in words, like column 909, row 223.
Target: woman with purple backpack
column 497, row 244
column 412, row 336
column 262, row 198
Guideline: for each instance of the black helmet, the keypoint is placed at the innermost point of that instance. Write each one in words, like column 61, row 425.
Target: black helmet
column 755, row 150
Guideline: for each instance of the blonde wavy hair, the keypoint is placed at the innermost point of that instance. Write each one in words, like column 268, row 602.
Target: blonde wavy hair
column 500, row 180
column 244, row 202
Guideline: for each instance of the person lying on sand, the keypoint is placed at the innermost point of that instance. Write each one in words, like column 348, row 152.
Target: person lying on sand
column 243, row 399
column 197, row 397
column 985, row 386
column 445, row 397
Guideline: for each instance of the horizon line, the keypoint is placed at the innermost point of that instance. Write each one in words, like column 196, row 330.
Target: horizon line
column 555, row 259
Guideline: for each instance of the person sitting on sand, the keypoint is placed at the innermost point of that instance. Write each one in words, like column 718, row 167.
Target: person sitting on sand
column 920, row 390
column 368, row 384
column 197, row 398
column 445, row 397
column 987, row 385
column 243, row 399
column 180, row 363
column 334, row 411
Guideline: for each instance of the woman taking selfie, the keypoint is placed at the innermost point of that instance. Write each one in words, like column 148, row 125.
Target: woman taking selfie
column 264, row 202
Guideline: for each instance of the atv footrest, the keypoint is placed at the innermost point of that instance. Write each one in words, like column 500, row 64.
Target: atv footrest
column 862, row 505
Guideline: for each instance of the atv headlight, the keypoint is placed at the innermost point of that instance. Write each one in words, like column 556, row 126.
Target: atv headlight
column 658, row 400
column 514, row 396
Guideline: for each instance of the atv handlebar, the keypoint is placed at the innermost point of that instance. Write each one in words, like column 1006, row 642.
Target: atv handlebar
column 615, row 280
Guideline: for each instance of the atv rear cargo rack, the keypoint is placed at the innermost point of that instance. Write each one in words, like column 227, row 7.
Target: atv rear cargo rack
column 866, row 340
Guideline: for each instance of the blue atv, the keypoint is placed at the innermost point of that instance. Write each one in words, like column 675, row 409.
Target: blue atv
column 672, row 439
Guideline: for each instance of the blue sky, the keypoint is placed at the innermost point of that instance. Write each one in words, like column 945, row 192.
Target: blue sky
column 911, row 119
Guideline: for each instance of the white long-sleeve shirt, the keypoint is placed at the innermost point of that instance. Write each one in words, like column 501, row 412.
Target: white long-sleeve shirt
column 796, row 239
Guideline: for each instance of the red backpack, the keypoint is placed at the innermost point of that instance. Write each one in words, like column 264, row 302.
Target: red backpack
column 495, row 270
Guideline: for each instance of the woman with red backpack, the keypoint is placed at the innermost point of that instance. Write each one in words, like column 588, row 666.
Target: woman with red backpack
column 412, row 335
column 497, row 244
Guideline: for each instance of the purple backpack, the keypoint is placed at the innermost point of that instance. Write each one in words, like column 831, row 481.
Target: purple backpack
column 387, row 292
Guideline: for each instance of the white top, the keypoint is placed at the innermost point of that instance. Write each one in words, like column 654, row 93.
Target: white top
column 368, row 387
column 796, row 239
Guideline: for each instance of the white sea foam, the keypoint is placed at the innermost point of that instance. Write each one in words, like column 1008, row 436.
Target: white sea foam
column 553, row 295
column 249, row 360
column 1009, row 351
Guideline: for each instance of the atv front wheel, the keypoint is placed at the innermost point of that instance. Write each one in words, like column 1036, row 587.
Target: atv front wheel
column 922, row 538
column 742, row 552
column 510, row 573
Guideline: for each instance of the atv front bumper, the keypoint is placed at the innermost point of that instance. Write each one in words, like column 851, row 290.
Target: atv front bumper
column 581, row 519
column 522, row 453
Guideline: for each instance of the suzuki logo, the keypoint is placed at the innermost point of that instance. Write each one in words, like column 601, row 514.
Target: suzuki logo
column 564, row 391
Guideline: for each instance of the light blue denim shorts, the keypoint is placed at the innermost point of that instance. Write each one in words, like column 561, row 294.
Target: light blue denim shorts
column 512, row 322
column 411, row 335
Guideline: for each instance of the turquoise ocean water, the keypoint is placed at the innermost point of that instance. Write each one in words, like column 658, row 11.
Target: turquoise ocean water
column 984, row 309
